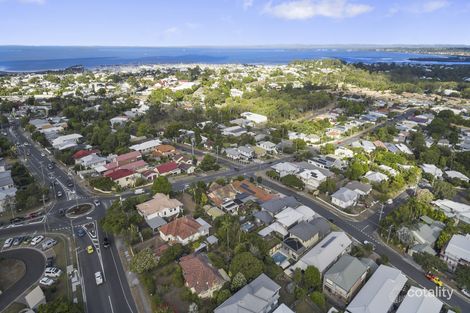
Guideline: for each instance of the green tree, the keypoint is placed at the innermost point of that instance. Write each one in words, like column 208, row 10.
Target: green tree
column 222, row 295
column 161, row 185
column 208, row 163
column 443, row 190
column 171, row 254
column 299, row 144
column 328, row 186
column 356, row 170
column 429, row 262
column 312, row 278
column 143, row 261
column 328, row 148
column 293, row 181
column 238, row 281
column 319, row 299
column 462, row 276
column 246, row 264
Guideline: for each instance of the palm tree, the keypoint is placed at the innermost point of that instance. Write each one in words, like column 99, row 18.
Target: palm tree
column 226, row 224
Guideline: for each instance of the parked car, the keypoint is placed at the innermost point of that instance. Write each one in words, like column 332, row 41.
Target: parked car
column 53, row 272
column 434, row 279
column 49, row 243
column 96, row 202
column 50, row 166
column 17, row 220
column 81, row 232
column 46, row 281
column 465, row 292
column 98, row 278
column 106, row 242
column 37, row 239
column 70, row 184
column 17, row 241
column 8, row 243
column 90, row 249
column 139, row 191
column 59, row 193
column 50, row 261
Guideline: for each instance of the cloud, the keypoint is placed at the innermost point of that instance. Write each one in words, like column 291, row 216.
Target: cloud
column 171, row 31
column 420, row 7
column 305, row 9
column 247, row 4
column 435, row 5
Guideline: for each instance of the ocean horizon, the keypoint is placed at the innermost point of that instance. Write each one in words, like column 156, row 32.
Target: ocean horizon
column 43, row 58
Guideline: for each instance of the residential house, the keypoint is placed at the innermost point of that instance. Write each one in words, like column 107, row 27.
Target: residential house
column 328, row 161
column 460, row 211
column 380, row 292
column 344, row 152
column 457, row 251
column 285, row 168
column 164, row 151
column 457, row 175
column 246, row 152
column 303, row 236
column 313, row 178
column 92, row 161
column 268, row 146
column 66, row 141
column 187, row 168
column 147, row 146
column 277, row 205
column 232, row 153
column 255, row 118
column 344, row 198
column 220, row 194
column 419, row 300
column 235, row 131
column 246, row 187
column 345, row 278
column 325, row 253
column 118, row 120
column 360, row 188
column 77, row 156
column 200, row 276
column 432, row 169
column 184, row 230
column 124, row 177
column 375, row 177
column 7, row 190
column 169, row 168
column 160, row 206
column 126, row 158
column 259, row 296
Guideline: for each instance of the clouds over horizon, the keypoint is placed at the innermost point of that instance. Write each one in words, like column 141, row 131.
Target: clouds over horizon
column 306, row 9
column 420, row 7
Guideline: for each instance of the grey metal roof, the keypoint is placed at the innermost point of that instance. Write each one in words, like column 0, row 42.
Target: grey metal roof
column 356, row 185
column 322, row 226
column 264, row 217
column 254, row 297
column 345, row 194
column 275, row 206
column 5, row 179
column 346, row 272
column 156, row 222
column 304, row 231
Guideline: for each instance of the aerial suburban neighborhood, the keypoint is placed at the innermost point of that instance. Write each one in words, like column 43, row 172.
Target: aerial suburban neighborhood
column 234, row 179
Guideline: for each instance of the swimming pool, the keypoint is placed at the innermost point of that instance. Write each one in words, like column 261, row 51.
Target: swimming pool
column 279, row 257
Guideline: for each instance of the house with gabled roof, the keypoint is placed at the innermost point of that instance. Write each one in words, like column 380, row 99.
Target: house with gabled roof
column 184, row 230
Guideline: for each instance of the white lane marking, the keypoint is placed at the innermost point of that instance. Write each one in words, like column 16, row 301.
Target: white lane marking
column 120, row 281
column 111, row 304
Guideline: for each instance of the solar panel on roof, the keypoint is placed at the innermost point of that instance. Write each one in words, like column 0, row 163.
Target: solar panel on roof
column 330, row 240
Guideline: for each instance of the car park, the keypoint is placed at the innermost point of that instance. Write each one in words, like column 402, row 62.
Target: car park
column 90, row 249
column 98, row 278
column 53, row 272
column 46, row 281
column 37, row 239
column 49, row 243
column 8, row 243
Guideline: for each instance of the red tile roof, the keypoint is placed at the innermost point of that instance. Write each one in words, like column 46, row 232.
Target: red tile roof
column 119, row 174
column 83, row 153
column 199, row 274
column 182, row 227
column 166, row 167
column 128, row 156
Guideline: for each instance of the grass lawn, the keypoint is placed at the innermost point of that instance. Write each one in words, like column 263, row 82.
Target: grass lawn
column 11, row 271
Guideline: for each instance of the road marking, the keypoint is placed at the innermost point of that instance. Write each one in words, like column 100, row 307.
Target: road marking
column 364, row 228
column 111, row 304
column 120, row 281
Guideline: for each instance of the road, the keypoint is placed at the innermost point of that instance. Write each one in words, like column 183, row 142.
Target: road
column 365, row 231
column 114, row 296
column 34, row 262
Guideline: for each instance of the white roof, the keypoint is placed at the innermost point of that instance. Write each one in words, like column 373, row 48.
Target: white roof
column 431, row 169
column 375, row 176
column 288, row 217
column 419, row 300
column 307, row 212
column 380, row 292
column 285, row 167
column 283, row 309
column 61, row 139
column 146, row 145
column 325, row 252
column 404, row 148
column 459, row 247
column 455, row 174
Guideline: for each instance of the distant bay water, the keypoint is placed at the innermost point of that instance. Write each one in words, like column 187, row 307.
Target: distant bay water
column 40, row 58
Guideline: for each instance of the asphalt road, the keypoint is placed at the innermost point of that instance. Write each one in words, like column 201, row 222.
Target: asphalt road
column 35, row 263
column 365, row 231
column 114, row 295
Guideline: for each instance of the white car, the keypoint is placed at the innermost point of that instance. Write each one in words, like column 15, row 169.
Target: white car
column 466, row 292
column 43, row 154
column 97, row 202
column 368, row 243
column 48, row 244
column 53, row 272
column 8, row 243
column 37, row 239
column 46, row 281
column 98, row 278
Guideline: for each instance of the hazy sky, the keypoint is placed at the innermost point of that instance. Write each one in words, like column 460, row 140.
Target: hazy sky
column 233, row 22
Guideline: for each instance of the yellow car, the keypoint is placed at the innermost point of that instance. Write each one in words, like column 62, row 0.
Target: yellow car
column 437, row 281
column 89, row 249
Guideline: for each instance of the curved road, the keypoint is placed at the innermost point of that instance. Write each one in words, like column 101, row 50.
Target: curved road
column 34, row 262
